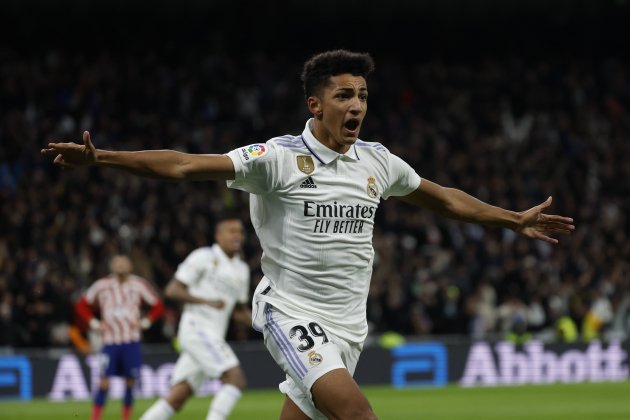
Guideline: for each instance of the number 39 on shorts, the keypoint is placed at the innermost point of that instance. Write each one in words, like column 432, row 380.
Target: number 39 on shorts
column 305, row 336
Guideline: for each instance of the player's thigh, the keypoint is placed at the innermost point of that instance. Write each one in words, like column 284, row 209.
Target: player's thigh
column 131, row 360
column 301, row 347
column 338, row 396
column 290, row 411
column 211, row 353
column 109, row 360
column 187, row 370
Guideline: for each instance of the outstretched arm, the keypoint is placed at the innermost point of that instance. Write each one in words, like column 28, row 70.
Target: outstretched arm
column 162, row 164
column 178, row 291
column 456, row 204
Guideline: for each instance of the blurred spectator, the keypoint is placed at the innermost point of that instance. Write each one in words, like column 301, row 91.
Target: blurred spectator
column 510, row 131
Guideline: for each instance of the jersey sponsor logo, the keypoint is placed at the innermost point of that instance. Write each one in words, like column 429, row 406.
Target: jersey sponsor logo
column 372, row 188
column 253, row 151
column 338, row 210
column 314, row 358
column 308, row 183
column 305, row 164
column 338, row 217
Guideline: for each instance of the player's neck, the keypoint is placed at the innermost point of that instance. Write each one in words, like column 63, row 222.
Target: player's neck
column 230, row 254
column 326, row 138
column 122, row 277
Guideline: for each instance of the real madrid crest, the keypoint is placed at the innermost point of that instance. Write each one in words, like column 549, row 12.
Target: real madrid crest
column 305, row 164
column 314, row 358
column 372, row 188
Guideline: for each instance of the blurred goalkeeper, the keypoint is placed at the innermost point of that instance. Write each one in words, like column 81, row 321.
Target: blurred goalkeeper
column 313, row 204
column 119, row 298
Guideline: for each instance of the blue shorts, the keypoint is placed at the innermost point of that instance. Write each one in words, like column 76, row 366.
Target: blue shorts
column 122, row 360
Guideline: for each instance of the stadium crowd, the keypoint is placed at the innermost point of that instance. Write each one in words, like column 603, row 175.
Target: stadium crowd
column 510, row 131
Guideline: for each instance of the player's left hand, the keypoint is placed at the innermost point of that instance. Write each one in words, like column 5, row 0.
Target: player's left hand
column 145, row 323
column 538, row 225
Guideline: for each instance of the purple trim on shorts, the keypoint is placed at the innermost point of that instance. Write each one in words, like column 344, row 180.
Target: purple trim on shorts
column 215, row 354
column 285, row 346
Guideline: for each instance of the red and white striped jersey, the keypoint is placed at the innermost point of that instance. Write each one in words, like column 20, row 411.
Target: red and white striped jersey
column 120, row 305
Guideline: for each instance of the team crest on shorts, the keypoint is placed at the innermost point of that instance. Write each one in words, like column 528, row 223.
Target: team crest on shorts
column 314, row 358
column 372, row 189
column 305, row 164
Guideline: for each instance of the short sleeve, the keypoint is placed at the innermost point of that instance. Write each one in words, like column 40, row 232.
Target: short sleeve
column 191, row 269
column 93, row 291
column 147, row 293
column 403, row 179
column 255, row 168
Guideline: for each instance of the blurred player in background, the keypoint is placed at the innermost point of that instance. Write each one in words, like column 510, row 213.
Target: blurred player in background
column 313, row 205
column 213, row 284
column 119, row 298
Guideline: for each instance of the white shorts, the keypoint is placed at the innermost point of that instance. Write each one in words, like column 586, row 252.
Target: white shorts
column 305, row 351
column 203, row 355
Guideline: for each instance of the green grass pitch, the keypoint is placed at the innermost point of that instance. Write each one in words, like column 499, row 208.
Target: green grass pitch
column 590, row 401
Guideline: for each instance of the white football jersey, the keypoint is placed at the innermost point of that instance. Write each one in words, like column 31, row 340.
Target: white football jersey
column 209, row 273
column 313, row 210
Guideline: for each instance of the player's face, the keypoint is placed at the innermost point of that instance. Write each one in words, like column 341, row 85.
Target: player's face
column 339, row 110
column 121, row 265
column 230, row 235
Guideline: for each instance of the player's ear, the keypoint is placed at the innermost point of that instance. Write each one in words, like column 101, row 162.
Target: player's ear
column 314, row 106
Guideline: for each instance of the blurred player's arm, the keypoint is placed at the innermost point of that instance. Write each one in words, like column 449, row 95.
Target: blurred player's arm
column 161, row 164
column 155, row 313
column 84, row 310
column 178, row 291
column 458, row 205
column 242, row 314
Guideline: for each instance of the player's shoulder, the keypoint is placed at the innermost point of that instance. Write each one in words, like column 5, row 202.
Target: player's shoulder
column 140, row 283
column 371, row 147
column 202, row 252
column 274, row 149
column 287, row 142
column 138, row 280
column 103, row 282
column 372, row 153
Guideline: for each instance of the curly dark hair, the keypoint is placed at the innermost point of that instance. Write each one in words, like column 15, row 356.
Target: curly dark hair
column 320, row 67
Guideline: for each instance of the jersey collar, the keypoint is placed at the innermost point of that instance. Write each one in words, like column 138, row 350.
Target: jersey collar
column 321, row 152
column 221, row 253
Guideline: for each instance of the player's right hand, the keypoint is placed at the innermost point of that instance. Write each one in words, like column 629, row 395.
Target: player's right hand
column 96, row 325
column 218, row 304
column 72, row 155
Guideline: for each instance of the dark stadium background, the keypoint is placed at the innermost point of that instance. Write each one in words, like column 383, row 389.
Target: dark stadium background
column 451, row 77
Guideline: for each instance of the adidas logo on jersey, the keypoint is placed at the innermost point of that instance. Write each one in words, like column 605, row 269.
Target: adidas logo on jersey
column 308, row 183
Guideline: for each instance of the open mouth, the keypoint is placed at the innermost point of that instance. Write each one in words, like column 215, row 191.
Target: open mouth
column 351, row 125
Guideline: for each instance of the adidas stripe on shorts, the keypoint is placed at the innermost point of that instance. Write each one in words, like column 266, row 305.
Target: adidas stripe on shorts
column 305, row 351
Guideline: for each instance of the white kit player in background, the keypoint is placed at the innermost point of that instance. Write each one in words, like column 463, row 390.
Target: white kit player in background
column 313, row 202
column 213, row 284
